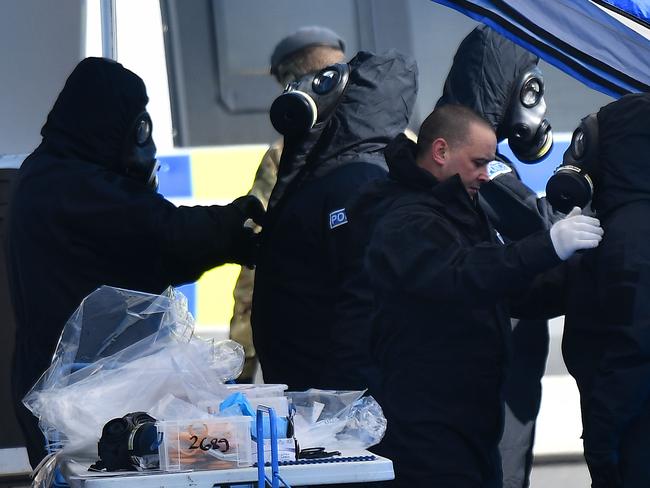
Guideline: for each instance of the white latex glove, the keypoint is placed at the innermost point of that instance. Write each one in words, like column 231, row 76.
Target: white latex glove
column 575, row 232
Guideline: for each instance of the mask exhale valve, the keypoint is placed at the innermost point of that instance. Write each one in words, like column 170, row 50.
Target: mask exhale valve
column 525, row 126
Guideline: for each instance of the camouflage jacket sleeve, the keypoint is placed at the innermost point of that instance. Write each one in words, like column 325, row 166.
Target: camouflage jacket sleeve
column 240, row 323
column 267, row 173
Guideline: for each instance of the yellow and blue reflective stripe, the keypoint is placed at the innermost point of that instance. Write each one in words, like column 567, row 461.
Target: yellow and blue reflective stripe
column 207, row 176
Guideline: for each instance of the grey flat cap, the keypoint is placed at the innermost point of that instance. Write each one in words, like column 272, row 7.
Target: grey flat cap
column 304, row 37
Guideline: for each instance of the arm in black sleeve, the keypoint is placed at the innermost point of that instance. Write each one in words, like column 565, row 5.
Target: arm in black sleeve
column 424, row 255
column 544, row 297
column 142, row 228
column 199, row 238
column 514, row 209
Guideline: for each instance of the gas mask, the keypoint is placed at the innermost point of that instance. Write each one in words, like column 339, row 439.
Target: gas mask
column 129, row 442
column 139, row 152
column 528, row 132
column 309, row 101
column 572, row 184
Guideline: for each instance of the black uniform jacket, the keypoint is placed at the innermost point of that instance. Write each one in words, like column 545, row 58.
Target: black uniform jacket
column 76, row 223
column 306, row 256
column 606, row 342
column 441, row 324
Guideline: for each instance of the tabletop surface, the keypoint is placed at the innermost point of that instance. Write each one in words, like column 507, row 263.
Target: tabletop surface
column 350, row 467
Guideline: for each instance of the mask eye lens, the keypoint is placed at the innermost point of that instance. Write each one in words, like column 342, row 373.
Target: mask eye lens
column 143, row 131
column 325, row 81
column 531, row 92
column 578, row 144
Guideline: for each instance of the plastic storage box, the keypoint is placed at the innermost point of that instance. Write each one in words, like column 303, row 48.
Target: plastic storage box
column 218, row 443
column 255, row 391
column 269, row 395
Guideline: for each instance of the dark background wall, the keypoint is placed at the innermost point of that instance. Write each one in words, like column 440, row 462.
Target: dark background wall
column 218, row 70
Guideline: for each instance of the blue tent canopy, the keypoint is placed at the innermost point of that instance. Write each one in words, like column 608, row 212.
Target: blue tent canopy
column 603, row 43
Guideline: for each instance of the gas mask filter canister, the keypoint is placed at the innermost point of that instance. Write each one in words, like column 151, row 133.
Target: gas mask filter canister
column 572, row 183
column 310, row 100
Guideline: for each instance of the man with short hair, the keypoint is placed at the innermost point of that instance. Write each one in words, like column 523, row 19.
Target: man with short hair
column 305, row 51
column 441, row 282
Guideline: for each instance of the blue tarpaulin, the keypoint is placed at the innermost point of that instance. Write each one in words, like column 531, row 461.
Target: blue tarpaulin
column 603, row 43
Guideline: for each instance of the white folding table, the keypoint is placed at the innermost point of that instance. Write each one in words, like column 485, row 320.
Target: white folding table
column 317, row 473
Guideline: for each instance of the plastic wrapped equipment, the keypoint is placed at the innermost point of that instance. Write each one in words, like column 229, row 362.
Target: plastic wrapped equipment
column 125, row 351
column 336, row 420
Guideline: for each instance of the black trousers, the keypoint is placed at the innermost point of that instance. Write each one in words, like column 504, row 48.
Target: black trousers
column 425, row 466
column 633, row 469
column 523, row 396
column 429, row 453
column 25, row 373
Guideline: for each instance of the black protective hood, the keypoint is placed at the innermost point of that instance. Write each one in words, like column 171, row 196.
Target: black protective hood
column 94, row 112
column 624, row 153
column 485, row 67
column 375, row 107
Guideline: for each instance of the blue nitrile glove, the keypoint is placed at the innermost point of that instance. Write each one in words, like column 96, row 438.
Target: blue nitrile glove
column 239, row 400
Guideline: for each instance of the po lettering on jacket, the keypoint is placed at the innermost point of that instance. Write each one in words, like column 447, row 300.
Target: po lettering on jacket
column 337, row 218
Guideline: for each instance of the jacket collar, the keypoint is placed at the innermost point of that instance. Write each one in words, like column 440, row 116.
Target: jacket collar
column 400, row 157
column 449, row 196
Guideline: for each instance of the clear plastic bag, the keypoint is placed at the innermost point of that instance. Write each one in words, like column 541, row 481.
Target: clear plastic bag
column 336, row 420
column 125, row 351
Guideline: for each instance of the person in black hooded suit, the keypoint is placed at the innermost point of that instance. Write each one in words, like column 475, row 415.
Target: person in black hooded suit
column 307, row 254
column 489, row 74
column 85, row 213
column 606, row 342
